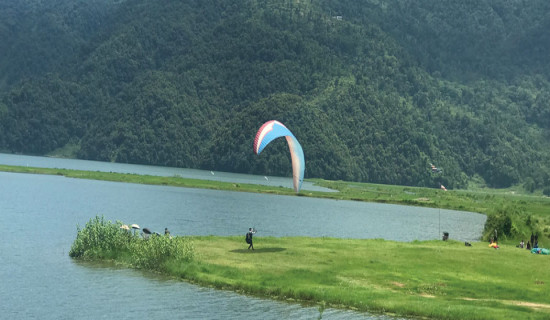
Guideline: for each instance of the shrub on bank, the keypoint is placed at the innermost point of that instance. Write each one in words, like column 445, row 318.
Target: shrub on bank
column 150, row 253
column 102, row 239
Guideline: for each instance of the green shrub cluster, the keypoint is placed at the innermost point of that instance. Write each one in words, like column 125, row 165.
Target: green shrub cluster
column 150, row 253
column 102, row 239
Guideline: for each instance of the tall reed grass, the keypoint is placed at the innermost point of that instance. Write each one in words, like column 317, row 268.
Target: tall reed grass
column 102, row 239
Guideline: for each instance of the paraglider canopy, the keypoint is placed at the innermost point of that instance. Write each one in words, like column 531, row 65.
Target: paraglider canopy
column 274, row 129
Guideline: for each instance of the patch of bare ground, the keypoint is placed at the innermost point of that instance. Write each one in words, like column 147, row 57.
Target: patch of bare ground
column 422, row 199
column 530, row 304
column 516, row 303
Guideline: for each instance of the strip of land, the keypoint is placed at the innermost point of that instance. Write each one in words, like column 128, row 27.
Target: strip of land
column 485, row 201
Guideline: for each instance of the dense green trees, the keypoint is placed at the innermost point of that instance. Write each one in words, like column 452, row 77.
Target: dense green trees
column 374, row 91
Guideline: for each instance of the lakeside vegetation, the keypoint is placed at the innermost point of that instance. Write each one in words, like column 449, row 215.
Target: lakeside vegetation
column 432, row 279
column 103, row 240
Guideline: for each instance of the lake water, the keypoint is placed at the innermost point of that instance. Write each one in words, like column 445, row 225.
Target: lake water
column 39, row 215
column 47, row 162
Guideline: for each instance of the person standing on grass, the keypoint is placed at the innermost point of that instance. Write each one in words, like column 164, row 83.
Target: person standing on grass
column 249, row 238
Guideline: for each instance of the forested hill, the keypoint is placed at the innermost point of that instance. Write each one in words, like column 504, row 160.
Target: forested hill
column 375, row 91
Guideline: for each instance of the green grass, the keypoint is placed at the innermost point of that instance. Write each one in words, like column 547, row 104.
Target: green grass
column 433, row 279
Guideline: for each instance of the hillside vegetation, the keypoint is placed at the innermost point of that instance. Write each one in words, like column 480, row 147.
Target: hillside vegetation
column 374, row 91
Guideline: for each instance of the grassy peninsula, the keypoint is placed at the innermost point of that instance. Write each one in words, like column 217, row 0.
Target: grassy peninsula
column 429, row 279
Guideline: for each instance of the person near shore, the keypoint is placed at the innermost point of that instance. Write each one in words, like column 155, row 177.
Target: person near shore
column 249, row 235
column 167, row 233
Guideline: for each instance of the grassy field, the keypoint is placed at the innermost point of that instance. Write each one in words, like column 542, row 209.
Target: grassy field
column 431, row 279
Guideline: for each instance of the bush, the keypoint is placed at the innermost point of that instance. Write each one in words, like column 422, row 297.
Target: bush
column 149, row 254
column 529, row 185
column 502, row 223
column 101, row 239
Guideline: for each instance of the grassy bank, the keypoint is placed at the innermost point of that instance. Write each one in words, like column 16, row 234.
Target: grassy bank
column 433, row 279
column 514, row 215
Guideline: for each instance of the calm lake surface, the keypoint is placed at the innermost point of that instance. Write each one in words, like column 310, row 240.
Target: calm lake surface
column 39, row 215
column 46, row 162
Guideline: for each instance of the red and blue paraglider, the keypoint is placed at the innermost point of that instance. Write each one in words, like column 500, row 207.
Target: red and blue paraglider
column 272, row 130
